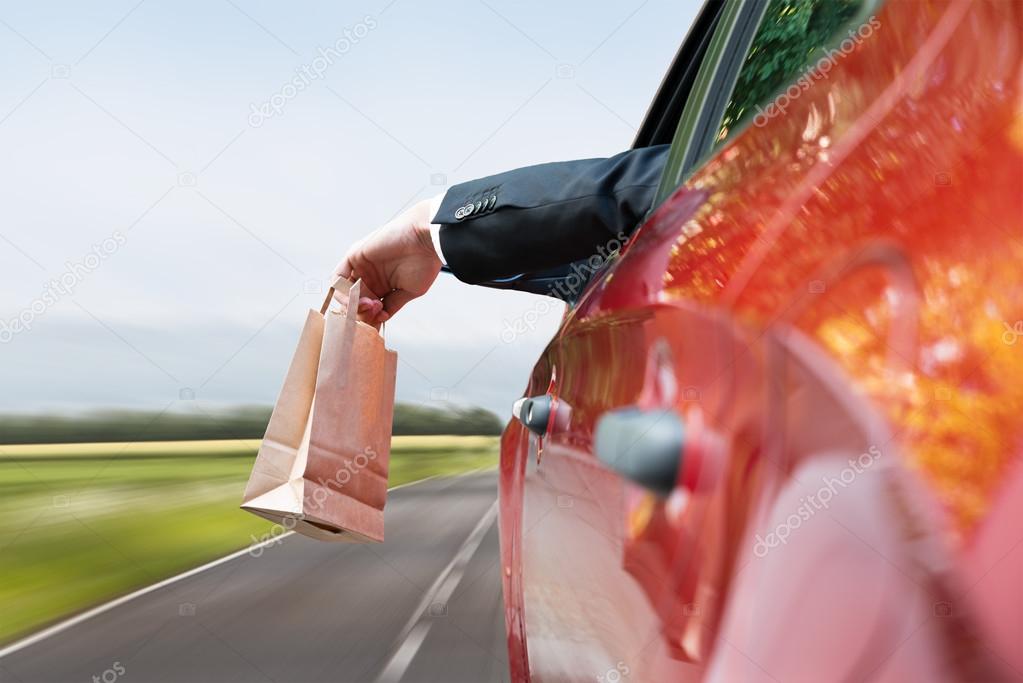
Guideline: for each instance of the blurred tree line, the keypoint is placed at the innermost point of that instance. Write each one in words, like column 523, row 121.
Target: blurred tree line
column 247, row 422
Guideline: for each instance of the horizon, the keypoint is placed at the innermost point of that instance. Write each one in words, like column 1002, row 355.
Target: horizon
column 158, row 241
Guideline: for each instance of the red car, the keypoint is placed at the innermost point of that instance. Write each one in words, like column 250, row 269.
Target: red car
column 778, row 437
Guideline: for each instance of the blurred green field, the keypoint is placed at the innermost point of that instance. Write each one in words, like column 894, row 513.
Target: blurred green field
column 82, row 523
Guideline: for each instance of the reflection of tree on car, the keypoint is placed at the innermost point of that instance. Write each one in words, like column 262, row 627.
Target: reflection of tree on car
column 787, row 43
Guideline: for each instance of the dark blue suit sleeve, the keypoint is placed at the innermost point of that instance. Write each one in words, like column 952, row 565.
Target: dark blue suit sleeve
column 544, row 216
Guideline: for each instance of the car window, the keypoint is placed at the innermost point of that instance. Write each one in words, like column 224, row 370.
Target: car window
column 787, row 43
column 759, row 48
column 697, row 127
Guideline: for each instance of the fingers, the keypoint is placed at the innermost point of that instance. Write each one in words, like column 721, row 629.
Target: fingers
column 369, row 309
column 343, row 268
column 372, row 308
column 355, row 266
column 394, row 301
column 370, row 305
column 391, row 263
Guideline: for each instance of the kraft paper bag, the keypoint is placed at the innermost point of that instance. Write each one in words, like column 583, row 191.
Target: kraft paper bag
column 322, row 465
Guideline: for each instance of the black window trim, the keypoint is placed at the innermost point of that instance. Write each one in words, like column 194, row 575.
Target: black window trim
column 697, row 128
column 695, row 147
column 665, row 110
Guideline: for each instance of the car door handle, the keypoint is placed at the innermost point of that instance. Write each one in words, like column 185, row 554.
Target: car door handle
column 644, row 446
column 534, row 412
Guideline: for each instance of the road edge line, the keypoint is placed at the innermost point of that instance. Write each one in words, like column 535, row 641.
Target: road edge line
column 70, row 622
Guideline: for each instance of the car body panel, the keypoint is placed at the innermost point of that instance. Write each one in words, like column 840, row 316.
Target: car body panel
column 879, row 220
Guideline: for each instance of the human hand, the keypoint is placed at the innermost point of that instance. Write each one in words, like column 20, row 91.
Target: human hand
column 397, row 263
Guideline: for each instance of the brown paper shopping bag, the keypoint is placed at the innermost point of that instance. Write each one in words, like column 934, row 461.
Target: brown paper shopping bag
column 322, row 466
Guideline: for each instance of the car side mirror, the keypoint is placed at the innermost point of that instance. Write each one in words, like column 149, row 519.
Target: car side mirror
column 644, row 446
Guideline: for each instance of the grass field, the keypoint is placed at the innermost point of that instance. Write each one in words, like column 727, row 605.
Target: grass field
column 82, row 523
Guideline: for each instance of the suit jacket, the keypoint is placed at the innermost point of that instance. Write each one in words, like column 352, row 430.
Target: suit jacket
column 539, row 217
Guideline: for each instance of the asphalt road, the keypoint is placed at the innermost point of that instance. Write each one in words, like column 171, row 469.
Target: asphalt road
column 424, row 606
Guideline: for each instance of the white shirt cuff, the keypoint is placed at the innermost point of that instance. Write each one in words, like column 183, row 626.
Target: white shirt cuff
column 435, row 227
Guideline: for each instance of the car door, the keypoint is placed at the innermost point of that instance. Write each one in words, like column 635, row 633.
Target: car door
column 618, row 570
column 520, row 448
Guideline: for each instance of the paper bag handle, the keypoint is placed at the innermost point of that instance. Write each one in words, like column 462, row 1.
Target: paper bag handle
column 353, row 294
column 354, row 289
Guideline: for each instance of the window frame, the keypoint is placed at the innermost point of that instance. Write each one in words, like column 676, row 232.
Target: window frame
column 695, row 140
column 711, row 92
column 666, row 107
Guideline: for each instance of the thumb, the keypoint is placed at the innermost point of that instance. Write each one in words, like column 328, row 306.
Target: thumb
column 394, row 301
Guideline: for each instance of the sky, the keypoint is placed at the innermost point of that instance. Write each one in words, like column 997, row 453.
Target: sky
column 180, row 178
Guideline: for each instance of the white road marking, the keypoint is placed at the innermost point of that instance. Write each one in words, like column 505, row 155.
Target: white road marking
column 107, row 606
column 414, row 633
